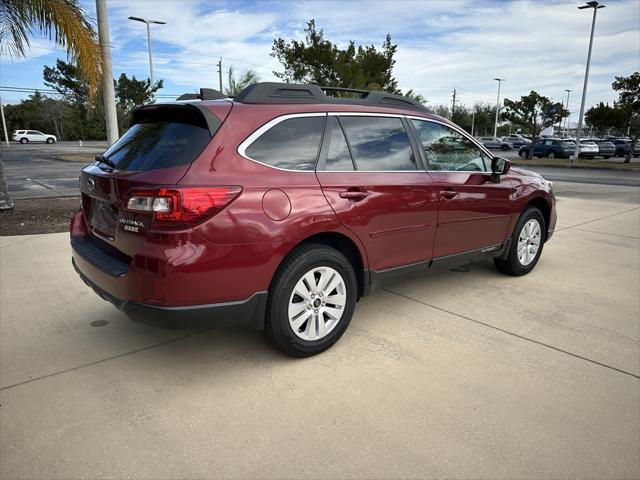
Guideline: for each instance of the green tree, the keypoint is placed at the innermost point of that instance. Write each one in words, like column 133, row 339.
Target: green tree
column 628, row 102
column 132, row 93
column 85, row 119
column 319, row 61
column 236, row 85
column 605, row 117
column 533, row 112
column 66, row 23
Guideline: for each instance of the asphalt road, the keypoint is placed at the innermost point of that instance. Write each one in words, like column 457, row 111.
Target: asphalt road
column 32, row 172
column 467, row 374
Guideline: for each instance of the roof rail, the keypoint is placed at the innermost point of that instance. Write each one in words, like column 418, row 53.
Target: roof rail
column 205, row 94
column 279, row 93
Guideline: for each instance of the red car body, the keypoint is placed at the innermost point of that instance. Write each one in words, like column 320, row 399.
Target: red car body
column 220, row 270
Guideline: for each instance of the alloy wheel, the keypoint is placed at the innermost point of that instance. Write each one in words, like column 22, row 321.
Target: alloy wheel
column 529, row 242
column 317, row 303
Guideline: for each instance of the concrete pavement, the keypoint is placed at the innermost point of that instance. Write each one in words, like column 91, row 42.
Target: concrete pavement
column 467, row 374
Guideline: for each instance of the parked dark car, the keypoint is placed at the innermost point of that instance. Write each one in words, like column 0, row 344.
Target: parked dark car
column 549, row 148
column 279, row 209
column 517, row 141
column 623, row 145
column 606, row 148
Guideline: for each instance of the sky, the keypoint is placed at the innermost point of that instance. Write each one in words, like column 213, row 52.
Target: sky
column 442, row 45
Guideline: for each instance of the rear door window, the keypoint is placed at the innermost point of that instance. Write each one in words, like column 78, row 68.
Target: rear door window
column 158, row 144
column 379, row 143
column 292, row 144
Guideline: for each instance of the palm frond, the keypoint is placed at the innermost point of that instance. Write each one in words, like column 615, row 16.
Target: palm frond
column 64, row 22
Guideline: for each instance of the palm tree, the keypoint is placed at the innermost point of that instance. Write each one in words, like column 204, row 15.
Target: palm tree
column 65, row 22
column 236, row 85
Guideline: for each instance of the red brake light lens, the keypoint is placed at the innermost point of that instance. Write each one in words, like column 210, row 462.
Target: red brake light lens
column 182, row 207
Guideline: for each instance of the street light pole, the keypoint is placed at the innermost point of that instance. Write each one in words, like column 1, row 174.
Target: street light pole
column 566, row 120
column 595, row 5
column 148, row 22
column 495, row 125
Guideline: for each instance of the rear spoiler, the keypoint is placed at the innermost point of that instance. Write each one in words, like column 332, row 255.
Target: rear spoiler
column 192, row 113
column 205, row 94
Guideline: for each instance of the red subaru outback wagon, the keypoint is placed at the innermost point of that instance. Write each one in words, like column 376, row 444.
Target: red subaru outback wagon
column 280, row 208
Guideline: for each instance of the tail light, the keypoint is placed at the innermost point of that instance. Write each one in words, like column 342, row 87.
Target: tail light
column 181, row 207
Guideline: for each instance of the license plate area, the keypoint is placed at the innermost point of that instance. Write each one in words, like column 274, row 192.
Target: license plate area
column 104, row 218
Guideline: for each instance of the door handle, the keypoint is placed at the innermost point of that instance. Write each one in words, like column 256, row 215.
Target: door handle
column 448, row 194
column 354, row 195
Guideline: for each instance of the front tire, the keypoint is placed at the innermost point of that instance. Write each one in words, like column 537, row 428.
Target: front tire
column 311, row 300
column 526, row 244
column 551, row 155
column 523, row 154
column 50, row 140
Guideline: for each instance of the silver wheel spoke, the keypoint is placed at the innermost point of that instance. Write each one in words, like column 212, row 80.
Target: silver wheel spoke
column 298, row 322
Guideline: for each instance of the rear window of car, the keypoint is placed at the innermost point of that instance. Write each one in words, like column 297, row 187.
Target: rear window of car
column 379, row 143
column 152, row 145
column 292, row 144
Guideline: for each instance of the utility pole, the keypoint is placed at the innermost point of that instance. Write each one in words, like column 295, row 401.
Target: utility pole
column 566, row 120
column 453, row 104
column 595, row 5
column 473, row 122
column 4, row 122
column 108, row 93
column 220, row 73
column 495, row 124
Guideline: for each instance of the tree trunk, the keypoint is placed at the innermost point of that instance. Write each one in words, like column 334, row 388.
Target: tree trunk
column 6, row 202
column 632, row 145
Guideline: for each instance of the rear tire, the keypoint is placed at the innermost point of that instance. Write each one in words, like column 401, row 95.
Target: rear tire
column 301, row 315
column 522, row 258
column 551, row 155
column 606, row 156
column 504, row 147
column 24, row 140
column 523, row 154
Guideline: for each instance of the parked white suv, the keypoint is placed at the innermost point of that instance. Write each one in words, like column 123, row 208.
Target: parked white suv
column 26, row 136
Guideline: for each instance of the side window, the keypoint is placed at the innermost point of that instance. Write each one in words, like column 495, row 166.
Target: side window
column 292, row 144
column 379, row 143
column 338, row 156
column 32, row 132
column 448, row 150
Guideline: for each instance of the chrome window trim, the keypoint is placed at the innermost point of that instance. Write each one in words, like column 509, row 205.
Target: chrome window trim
column 246, row 143
column 457, row 129
column 275, row 121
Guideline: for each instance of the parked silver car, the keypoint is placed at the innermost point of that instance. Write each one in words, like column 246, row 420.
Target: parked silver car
column 494, row 143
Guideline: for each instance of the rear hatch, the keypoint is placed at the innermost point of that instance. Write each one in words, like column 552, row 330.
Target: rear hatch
column 157, row 151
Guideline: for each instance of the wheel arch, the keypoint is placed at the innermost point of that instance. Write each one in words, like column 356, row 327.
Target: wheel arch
column 541, row 204
column 345, row 245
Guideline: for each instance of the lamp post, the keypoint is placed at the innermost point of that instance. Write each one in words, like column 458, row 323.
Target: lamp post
column 495, row 125
column 595, row 5
column 566, row 120
column 147, row 21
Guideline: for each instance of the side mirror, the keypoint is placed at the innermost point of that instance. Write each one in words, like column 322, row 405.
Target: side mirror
column 499, row 166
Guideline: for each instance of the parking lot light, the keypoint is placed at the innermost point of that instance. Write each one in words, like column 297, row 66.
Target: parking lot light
column 495, row 125
column 147, row 21
column 595, row 5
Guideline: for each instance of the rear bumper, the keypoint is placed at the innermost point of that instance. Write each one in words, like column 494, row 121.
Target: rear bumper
column 249, row 312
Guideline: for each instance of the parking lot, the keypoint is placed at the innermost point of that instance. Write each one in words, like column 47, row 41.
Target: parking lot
column 468, row 374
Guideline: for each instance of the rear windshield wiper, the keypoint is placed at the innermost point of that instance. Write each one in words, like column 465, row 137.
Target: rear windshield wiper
column 105, row 160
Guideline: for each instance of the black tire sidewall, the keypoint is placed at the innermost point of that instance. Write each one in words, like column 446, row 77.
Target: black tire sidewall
column 511, row 264
column 280, row 293
column 24, row 140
